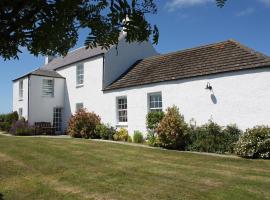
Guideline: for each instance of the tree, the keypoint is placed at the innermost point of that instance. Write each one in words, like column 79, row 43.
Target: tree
column 50, row 27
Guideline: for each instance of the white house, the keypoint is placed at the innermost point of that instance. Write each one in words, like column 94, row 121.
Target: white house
column 225, row 81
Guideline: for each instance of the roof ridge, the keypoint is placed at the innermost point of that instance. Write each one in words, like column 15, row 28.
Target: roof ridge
column 190, row 49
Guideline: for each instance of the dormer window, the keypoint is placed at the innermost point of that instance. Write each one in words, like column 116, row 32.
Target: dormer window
column 21, row 90
column 80, row 75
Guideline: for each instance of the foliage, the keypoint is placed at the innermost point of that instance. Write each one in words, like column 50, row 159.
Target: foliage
column 121, row 135
column 129, row 139
column 231, row 136
column 51, row 27
column 254, row 143
column 207, row 138
column 173, row 131
column 21, row 128
column 6, row 120
column 153, row 119
column 138, row 137
column 5, row 126
column 213, row 138
column 151, row 138
column 105, row 131
column 83, row 124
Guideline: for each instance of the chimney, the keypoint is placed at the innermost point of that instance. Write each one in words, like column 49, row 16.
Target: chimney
column 48, row 59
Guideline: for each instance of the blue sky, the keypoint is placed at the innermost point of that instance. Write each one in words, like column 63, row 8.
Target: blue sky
column 182, row 24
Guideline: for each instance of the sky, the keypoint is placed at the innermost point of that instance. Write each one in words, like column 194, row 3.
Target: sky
column 182, row 24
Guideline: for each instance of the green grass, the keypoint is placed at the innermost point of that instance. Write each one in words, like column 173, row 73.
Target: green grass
column 43, row 168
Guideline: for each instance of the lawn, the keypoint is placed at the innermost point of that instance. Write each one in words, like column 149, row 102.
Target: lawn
column 44, row 168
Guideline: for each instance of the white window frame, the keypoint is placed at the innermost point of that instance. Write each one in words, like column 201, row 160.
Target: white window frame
column 79, row 75
column 57, row 118
column 47, row 89
column 155, row 103
column 20, row 113
column 122, row 108
column 78, row 106
column 21, row 90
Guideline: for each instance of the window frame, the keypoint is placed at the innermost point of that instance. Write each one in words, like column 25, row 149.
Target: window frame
column 21, row 90
column 157, row 107
column 80, row 77
column 47, row 94
column 77, row 109
column 58, row 118
column 120, row 117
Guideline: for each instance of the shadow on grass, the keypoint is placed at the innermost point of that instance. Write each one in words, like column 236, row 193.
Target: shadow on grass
column 1, row 196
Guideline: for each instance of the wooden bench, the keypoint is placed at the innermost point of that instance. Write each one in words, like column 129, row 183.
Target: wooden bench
column 44, row 128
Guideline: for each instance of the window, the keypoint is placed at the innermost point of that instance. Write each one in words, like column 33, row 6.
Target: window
column 20, row 113
column 20, row 90
column 80, row 74
column 122, row 109
column 47, row 88
column 79, row 106
column 57, row 119
column 155, row 102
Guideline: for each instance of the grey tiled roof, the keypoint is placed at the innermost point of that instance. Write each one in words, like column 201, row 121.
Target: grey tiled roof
column 205, row 60
column 73, row 57
column 42, row 72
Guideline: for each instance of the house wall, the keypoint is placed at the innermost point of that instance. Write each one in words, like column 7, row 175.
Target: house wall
column 41, row 108
column 117, row 61
column 241, row 97
column 21, row 103
column 89, row 94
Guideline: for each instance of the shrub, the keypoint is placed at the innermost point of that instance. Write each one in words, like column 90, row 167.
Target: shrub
column 254, row 143
column 208, row 138
column 121, row 135
column 21, row 128
column 6, row 120
column 138, row 137
column 151, row 138
column 231, row 136
column 105, row 131
column 153, row 119
column 5, row 126
column 129, row 139
column 83, row 125
column 173, row 131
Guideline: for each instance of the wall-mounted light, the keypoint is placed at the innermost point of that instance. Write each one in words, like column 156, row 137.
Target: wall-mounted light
column 209, row 87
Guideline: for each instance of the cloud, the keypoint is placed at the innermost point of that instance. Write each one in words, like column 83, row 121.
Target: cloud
column 175, row 4
column 246, row 12
column 266, row 2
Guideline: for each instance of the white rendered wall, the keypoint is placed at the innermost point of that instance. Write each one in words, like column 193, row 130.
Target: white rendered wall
column 41, row 108
column 118, row 61
column 240, row 97
column 21, row 103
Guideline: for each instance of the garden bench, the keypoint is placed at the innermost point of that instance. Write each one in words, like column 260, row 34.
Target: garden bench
column 44, row 128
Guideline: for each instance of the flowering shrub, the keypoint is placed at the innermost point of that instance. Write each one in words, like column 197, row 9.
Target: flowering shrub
column 138, row 137
column 83, row 125
column 254, row 143
column 121, row 135
column 173, row 131
column 21, row 128
column 105, row 131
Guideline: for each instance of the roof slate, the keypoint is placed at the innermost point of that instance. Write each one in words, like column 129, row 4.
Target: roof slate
column 73, row 57
column 42, row 72
column 205, row 60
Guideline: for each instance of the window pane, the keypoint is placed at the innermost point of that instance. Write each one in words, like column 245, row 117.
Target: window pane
column 122, row 109
column 155, row 102
column 47, row 87
column 79, row 106
column 80, row 74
